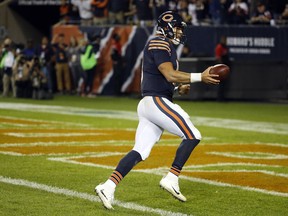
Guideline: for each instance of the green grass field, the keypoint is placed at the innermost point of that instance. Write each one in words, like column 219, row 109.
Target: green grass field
column 53, row 153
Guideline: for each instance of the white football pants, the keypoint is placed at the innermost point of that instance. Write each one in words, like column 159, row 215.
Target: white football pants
column 157, row 114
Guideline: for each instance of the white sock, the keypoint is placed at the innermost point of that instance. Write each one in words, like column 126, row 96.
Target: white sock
column 172, row 177
column 110, row 183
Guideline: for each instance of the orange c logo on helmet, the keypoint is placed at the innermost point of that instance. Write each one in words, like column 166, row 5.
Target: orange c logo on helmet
column 167, row 18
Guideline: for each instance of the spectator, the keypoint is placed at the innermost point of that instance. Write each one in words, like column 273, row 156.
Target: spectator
column 192, row 12
column 88, row 59
column 100, row 11
column 29, row 50
column 262, row 16
column 284, row 14
column 143, row 10
column 160, row 6
column 116, row 11
column 224, row 14
column 39, row 81
column 183, row 11
column 202, row 12
column 239, row 12
column 74, row 61
column 85, row 12
column 62, row 67
column 222, row 57
column 172, row 5
column 64, row 10
column 21, row 74
column 44, row 52
column 276, row 7
column 6, row 64
column 215, row 10
column 68, row 13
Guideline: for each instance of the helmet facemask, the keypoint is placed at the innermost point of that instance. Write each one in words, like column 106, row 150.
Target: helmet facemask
column 178, row 35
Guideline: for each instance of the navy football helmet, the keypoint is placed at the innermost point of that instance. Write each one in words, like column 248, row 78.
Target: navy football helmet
column 168, row 23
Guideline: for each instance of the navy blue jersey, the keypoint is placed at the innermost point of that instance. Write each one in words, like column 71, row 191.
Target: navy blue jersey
column 157, row 51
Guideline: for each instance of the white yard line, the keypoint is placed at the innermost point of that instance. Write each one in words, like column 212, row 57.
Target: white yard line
column 162, row 172
column 85, row 196
column 230, row 164
column 52, row 134
column 272, row 173
column 72, row 143
column 245, row 125
column 250, row 155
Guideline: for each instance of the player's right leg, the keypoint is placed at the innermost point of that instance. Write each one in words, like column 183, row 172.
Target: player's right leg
column 147, row 135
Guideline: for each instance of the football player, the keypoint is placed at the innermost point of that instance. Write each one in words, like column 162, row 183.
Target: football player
column 156, row 110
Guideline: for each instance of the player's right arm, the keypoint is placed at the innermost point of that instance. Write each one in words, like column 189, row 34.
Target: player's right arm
column 176, row 76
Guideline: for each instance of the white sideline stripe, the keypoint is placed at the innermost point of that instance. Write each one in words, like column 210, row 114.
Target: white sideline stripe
column 245, row 125
column 124, row 143
column 43, row 121
column 272, row 173
column 85, row 196
column 90, row 143
column 254, row 155
column 52, row 134
column 231, row 164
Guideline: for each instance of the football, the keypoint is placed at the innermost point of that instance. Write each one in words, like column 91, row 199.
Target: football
column 221, row 69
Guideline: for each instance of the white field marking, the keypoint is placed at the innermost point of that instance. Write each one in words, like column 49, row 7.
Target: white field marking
column 230, row 164
column 79, row 155
column 272, row 173
column 72, row 143
column 52, row 134
column 253, row 155
column 72, row 161
column 162, row 172
column 5, row 124
column 11, row 153
column 70, row 111
column 68, row 160
column 43, row 121
column 85, row 196
column 245, row 125
column 255, row 143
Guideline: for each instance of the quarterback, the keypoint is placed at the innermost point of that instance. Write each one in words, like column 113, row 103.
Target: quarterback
column 156, row 110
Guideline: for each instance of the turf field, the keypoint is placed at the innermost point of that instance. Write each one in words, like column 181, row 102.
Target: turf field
column 53, row 153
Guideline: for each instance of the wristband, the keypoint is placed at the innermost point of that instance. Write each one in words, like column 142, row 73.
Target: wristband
column 195, row 77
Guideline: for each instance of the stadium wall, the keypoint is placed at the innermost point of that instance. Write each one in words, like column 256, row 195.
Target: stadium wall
column 259, row 59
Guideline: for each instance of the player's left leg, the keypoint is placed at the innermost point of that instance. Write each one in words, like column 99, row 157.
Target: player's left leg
column 177, row 122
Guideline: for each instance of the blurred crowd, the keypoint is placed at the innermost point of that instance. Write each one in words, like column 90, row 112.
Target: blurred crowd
column 51, row 66
column 40, row 70
column 195, row 12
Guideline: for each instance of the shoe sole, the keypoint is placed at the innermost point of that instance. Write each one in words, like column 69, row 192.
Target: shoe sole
column 173, row 193
column 105, row 203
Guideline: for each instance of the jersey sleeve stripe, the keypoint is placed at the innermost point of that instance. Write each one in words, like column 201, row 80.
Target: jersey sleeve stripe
column 160, row 41
column 158, row 48
column 159, row 45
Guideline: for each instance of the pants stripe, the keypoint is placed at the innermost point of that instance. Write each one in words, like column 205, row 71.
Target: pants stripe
column 174, row 116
